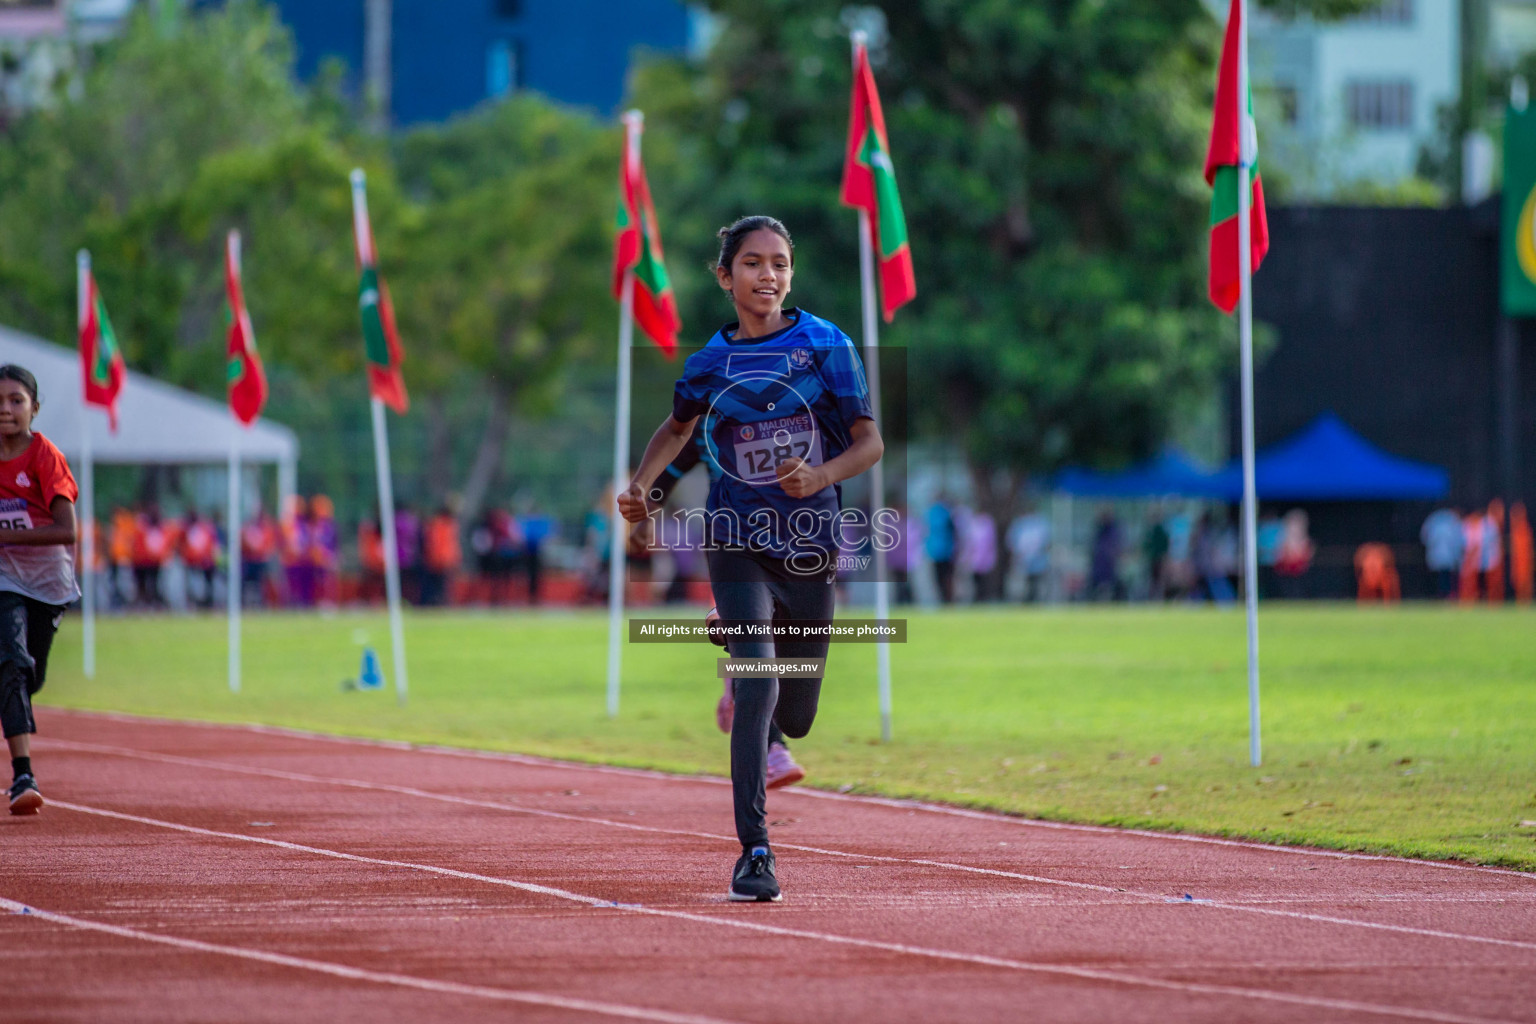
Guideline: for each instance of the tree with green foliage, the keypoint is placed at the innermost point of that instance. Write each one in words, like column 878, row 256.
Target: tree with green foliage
column 1049, row 159
column 123, row 142
column 508, row 272
column 187, row 126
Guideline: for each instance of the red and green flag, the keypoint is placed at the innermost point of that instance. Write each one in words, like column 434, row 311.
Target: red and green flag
column 638, row 249
column 1221, row 173
column 247, row 379
column 381, row 339
column 100, row 358
column 869, row 184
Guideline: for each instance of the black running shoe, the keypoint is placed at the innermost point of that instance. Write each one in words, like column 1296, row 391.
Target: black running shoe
column 26, row 798
column 753, row 880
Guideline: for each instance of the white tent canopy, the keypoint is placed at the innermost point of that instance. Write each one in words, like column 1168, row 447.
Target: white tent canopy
column 157, row 424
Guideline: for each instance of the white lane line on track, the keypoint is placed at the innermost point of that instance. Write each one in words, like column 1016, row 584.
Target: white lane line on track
column 725, row 921
column 994, row 817
column 361, row 974
column 1148, row 897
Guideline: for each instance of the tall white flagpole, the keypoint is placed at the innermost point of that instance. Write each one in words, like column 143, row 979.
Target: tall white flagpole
column 232, row 521
column 877, row 471
column 1248, row 156
column 618, row 531
column 617, row 552
column 387, row 535
column 232, row 549
column 87, row 524
column 391, row 553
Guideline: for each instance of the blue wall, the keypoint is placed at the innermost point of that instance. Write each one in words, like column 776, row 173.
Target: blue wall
column 575, row 51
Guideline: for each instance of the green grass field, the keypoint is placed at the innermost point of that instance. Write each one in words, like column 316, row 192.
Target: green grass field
column 1405, row 731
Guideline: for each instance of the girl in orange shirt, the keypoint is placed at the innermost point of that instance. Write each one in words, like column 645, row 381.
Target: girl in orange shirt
column 37, row 569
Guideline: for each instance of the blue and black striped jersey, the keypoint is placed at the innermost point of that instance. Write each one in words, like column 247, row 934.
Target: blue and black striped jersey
column 794, row 393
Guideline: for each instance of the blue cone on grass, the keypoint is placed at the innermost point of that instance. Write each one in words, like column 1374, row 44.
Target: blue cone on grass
column 371, row 677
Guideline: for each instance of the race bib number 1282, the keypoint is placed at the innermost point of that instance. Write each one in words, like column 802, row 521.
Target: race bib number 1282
column 760, row 447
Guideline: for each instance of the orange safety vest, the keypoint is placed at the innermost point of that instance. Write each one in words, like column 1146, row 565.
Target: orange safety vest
column 443, row 553
column 125, row 527
column 370, row 548
column 1522, row 554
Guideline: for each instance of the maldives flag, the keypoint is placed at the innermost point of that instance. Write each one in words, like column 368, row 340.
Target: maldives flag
column 869, row 184
column 247, row 380
column 100, row 358
column 1221, row 163
column 381, row 340
column 638, row 248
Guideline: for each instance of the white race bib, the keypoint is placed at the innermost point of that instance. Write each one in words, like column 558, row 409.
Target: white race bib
column 14, row 514
column 760, row 447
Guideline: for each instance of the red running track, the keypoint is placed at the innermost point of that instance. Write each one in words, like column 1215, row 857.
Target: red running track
column 187, row 872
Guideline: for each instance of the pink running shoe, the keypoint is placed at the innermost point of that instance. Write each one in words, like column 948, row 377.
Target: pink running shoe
column 725, row 710
column 782, row 769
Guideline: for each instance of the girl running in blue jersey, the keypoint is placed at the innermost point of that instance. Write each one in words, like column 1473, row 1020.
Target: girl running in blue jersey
column 783, row 770
column 789, row 420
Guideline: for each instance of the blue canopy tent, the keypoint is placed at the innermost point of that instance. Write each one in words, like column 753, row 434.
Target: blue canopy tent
column 1328, row 461
column 1169, row 472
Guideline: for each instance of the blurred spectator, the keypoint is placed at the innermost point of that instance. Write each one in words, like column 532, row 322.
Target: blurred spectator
column 855, row 555
column 980, row 554
column 258, row 538
column 1181, row 574
column 324, row 548
column 1029, row 541
column 200, row 554
column 370, row 557
column 1443, row 543
column 1104, row 563
column 1295, row 558
column 154, row 541
column 1207, row 553
column 595, row 546
column 120, row 544
column 537, row 528
column 101, row 581
column 1493, row 552
column 940, row 547
column 1225, row 554
column 295, row 554
column 1267, row 541
column 408, row 551
column 1522, row 557
column 899, row 555
column 688, row 564
column 1471, row 556
column 1376, row 574
column 1154, row 549
column 443, row 557
column 497, row 543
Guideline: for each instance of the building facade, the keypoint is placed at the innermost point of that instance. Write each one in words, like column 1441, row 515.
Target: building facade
column 1354, row 101
column 445, row 56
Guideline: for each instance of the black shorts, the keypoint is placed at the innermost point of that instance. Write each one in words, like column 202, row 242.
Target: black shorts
column 751, row 588
column 26, row 636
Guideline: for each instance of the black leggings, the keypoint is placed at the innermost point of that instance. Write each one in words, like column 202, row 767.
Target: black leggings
column 26, row 635
column 752, row 588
